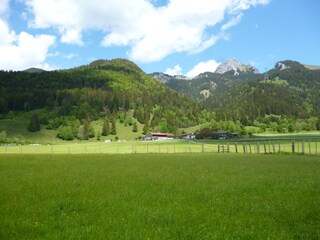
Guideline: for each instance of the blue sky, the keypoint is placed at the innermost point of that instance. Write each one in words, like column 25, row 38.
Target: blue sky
column 174, row 36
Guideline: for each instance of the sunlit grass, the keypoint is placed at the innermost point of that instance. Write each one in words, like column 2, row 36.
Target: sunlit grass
column 181, row 196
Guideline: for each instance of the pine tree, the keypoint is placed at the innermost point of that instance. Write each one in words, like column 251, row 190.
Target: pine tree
column 34, row 124
column 134, row 127
column 113, row 127
column 86, row 125
column 145, row 128
column 105, row 128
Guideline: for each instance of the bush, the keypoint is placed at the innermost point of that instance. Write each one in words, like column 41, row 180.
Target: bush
column 65, row 133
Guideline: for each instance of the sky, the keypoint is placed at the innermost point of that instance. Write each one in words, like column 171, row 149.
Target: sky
column 184, row 37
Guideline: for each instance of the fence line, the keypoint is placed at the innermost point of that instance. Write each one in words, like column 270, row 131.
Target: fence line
column 309, row 147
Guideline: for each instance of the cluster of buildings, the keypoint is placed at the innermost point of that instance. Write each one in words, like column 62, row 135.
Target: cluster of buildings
column 167, row 136
column 170, row 136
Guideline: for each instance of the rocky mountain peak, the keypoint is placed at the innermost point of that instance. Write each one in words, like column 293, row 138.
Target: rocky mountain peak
column 236, row 66
column 281, row 66
column 229, row 65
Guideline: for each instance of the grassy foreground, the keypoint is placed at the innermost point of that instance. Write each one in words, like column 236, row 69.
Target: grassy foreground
column 159, row 196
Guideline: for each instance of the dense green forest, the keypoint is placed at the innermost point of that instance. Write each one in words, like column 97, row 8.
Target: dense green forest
column 103, row 89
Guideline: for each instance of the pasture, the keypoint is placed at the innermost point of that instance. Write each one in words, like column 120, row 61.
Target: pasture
column 159, row 196
column 244, row 146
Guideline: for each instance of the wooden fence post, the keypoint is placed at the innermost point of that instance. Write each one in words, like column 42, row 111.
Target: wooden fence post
column 303, row 149
column 316, row 147
column 309, row 147
column 244, row 147
column 218, row 147
column 250, row 148
column 228, row 148
column 293, row 147
column 236, row 146
column 273, row 148
column 265, row 148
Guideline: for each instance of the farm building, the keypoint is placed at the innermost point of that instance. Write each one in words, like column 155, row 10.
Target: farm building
column 158, row 136
column 188, row 136
column 222, row 134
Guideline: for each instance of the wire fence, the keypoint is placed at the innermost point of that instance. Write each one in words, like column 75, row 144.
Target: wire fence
column 168, row 147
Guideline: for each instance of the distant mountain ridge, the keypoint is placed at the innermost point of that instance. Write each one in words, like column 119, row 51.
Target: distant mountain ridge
column 236, row 90
column 208, row 83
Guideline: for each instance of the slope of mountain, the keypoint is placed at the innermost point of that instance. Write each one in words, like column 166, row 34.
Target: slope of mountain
column 237, row 91
column 288, row 89
column 34, row 70
column 206, row 84
column 164, row 78
column 98, row 89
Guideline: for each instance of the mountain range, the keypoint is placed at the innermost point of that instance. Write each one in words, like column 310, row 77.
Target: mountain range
column 112, row 88
column 239, row 91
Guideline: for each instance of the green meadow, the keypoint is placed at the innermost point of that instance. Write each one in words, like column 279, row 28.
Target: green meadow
column 243, row 146
column 159, row 196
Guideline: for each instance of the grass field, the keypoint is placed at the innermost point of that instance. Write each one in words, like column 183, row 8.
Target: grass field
column 247, row 146
column 159, row 196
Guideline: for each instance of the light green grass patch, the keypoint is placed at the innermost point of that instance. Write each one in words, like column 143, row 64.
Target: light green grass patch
column 181, row 196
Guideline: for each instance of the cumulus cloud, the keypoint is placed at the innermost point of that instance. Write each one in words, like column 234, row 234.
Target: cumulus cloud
column 151, row 30
column 176, row 70
column 21, row 51
column 208, row 66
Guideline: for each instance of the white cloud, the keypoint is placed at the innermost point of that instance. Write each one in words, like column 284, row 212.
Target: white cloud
column 209, row 66
column 151, row 32
column 60, row 54
column 233, row 22
column 21, row 51
column 4, row 9
column 176, row 70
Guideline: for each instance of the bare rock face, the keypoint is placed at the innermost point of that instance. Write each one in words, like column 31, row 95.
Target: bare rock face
column 281, row 66
column 228, row 66
column 236, row 66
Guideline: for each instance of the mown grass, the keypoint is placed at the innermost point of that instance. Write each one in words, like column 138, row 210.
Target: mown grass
column 154, row 196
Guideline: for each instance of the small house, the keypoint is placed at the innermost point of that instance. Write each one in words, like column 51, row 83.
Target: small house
column 188, row 136
column 222, row 134
column 158, row 136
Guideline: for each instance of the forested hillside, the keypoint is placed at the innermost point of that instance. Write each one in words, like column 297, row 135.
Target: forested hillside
column 286, row 97
column 289, row 89
column 102, row 89
column 208, row 84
